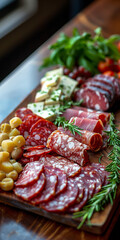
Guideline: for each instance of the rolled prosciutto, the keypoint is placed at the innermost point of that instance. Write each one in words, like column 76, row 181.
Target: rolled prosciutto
column 68, row 147
column 91, row 125
column 93, row 140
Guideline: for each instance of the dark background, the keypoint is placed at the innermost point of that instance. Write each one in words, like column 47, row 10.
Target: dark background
column 18, row 44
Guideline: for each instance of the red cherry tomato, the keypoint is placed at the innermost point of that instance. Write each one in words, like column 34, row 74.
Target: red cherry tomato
column 106, row 65
column 118, row 46
column 109, row 73
column 118, row 75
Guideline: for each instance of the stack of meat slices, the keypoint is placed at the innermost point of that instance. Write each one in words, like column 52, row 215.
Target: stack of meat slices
column 57, row 185
column 99, row 92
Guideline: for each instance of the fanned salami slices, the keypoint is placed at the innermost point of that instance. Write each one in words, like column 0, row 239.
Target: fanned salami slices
column 91, row 125
column 68, row 147
column 29, row 192
column 77, row 206
column 36, row 152
column 62, row 179
column 103, row 174
column 93, row 140
column 30, row 174
column 49, row 189
column 70, row 168
column 61, row 202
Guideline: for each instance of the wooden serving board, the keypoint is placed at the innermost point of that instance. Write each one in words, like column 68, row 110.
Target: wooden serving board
column 99, row 221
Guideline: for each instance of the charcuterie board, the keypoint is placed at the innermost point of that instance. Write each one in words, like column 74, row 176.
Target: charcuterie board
column 99, row 221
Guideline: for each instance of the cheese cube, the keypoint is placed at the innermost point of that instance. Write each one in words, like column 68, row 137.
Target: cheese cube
column 67, row 85
column 36, row 107
column 50, row 81
column 58, row 71
column 53, row 108
column 47, row 114
column 42, row 95
column 54, row 97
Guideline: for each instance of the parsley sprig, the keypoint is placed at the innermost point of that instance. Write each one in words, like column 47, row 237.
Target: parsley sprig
column 60, row 121
column 108, row 192
column 83, row 50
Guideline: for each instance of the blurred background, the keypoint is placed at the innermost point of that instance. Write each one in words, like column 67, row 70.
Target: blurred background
column 26, row 24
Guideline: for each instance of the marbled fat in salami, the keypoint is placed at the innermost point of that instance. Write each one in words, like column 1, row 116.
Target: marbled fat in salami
column 68, row 147
column 30, row 174
column 93, row 140
column 21, row 112
column 70, row 168
column 29, row 192
column 37, row 152
column 43, row 123
column 49, row 188
column 61, row 202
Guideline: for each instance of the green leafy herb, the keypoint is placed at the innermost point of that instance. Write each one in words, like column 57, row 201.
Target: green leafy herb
column 108, row 192
column 82, row 49
column 67, row 104
column 60, row 121
column 99, row 160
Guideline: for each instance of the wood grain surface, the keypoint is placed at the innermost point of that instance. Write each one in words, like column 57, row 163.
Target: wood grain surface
column 20, row 224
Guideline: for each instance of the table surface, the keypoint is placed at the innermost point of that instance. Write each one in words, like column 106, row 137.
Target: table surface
column 16, row 224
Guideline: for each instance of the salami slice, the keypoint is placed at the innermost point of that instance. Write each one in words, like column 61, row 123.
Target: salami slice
column 70, row 168
column 61, row 202
column 78, row 206
column 29, row 148
column 101, row 170
column 21, row 112
column 40, row 135
column 36, row 152
column 30, row 174
column 91, row 125
column 93, row 98
column 93, row 140
column 43, row 123
column 68, row 147
column 29, row 192
column 62, row 179
column 49, row 189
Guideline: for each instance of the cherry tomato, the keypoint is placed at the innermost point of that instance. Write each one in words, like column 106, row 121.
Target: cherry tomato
column 118, row 46
column 106, row 65
column 109, row 73
column 118, row 75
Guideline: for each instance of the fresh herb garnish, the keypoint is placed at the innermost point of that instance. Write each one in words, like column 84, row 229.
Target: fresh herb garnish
column 67, row 104
column 60, row 121
column 108, row 192
column 83, row 50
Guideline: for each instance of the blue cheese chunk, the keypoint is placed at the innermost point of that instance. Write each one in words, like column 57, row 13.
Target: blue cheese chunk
column 47, row 114
column 36, row 107
column 42, row 95
column 54, row 97
column 58, row 71
column 67, row 85
column 50, row 81
column 53, row 108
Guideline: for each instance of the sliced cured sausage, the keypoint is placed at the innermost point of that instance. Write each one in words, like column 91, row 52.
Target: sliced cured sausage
column 93, row 140
column 43, row 123
column 36, row 152
column 30, row 174
column 94, row 98
column 70, row 168
column 61, row 202
column 68, row 147
column 77, row 206
column 91, row 125
column 38, row 137
column 29, row 192
column 21, row 112
column 29, row 148
column 103, row 174
column 62, row 179
column 49, row 189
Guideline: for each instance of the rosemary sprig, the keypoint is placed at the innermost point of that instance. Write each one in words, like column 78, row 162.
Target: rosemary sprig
column 60, row 121
column 108, row 192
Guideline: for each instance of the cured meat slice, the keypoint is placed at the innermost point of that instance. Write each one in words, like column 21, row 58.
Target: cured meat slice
column 41, row 134
column 85, row 114
column 111, row 81
column 70, row 168
column 29, row 148
column 78, row 206
column 94, row 98
column 68, row 147
column 49, row 189
column 61, row 202
column 24, row 160
column 29, row 192
column 93, row 140
column 103, row 116
column 30, row 174
column 36, row 152
column 21, row 112
column 62, row 179
column 103, row 86
column 103, row 174
column 43, row 123
column 91, row 125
